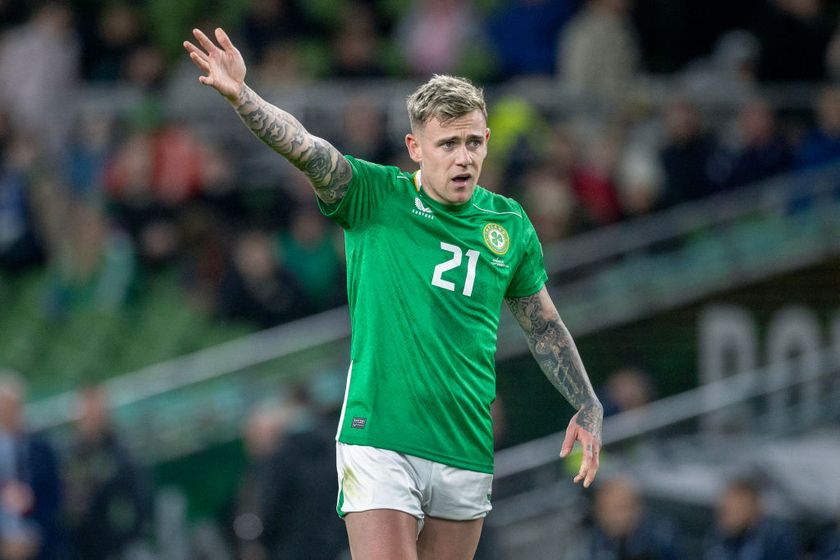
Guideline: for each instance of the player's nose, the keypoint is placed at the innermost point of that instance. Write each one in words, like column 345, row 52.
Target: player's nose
column 464, row 158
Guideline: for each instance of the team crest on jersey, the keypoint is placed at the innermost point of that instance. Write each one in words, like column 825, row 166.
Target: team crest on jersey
column 421, row 209
column 496, row 238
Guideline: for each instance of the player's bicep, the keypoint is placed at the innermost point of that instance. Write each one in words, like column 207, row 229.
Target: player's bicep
column 533, row 313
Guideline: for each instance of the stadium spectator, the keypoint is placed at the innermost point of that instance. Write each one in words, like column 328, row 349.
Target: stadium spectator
column 743, row 532
column 109, row 35
column 266, row 22
column 160, row 162
column 761, row 151
column 822, row 143
column 108, row 504
column 145, row 68
column 264, row 429
column 356, row 46
column 729, row 74
column 550, row 201
column 363, row 131
column 593, row 178
column 282, row 67
column 88, row 155
column 256, row 287
column 30, row 488
column 93, row 266
column 298, row 503
column 623, row 529
column 525, row 34
column 626, row 389
column 689, row 155
column 433, row 35
column 639, row 181
column 311, row 252
column 39, row 63
column 151, row 176
column 21, row 245
column 599, row 52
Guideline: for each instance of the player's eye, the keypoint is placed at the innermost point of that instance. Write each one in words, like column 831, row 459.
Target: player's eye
column 475, row 143
column 449, row 144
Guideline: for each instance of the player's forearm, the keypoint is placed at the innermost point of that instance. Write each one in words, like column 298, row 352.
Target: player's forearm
column 326, row 168
column 557, row 355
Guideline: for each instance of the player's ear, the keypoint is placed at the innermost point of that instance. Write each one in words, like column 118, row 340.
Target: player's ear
column 414, row 151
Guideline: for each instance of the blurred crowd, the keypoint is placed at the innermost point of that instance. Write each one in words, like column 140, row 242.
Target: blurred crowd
column 102, row 199
column 90, row 499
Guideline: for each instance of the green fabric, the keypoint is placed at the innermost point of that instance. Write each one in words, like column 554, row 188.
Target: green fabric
column 425, row 292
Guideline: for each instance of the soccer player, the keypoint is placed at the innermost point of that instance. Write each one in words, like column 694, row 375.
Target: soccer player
column 431, row 256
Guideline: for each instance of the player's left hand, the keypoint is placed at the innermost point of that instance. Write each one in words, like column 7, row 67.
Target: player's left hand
column 585, row 427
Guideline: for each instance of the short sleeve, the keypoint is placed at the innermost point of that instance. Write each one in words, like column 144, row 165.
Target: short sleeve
column 530, row 275
column 369, row 185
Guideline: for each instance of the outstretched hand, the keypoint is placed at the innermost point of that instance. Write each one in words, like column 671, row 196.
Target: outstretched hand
column 224, row 66
column 590, row 442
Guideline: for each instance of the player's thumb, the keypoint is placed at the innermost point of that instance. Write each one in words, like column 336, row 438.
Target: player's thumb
column 568, row 442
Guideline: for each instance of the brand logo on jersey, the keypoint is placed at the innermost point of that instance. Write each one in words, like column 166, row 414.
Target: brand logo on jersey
column 496, row 238
column 358, row 422
column 421, row 209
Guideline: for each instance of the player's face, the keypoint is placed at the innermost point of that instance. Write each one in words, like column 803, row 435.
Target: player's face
column 450, row 155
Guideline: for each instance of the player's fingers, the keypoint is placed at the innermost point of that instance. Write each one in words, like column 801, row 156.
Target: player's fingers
column 584, row 468
column 592, row 469
column 206, row 80
column 200, row 62
column 193, row 49
column 568, row 441
column 205, row 41
column 224, row 40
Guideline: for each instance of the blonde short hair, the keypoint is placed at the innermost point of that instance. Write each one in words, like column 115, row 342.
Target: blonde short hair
column 446, row 98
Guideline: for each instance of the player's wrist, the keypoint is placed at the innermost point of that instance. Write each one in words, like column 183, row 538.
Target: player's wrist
column 236, row 98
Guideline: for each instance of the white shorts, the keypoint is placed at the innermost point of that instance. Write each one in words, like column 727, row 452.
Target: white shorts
column 373, row 478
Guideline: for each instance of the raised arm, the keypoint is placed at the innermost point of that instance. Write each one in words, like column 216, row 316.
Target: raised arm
column 325, row 167
column 556, row 353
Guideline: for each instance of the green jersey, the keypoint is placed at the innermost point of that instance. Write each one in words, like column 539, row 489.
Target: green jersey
column 426, row 283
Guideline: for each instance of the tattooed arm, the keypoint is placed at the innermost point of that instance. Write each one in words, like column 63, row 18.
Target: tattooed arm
column 325, row 167
column 556, row 353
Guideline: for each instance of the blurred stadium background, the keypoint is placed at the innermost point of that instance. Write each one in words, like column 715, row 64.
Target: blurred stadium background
column 167, row 280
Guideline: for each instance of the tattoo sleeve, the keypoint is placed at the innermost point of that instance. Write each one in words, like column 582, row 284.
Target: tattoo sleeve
column 555, row 351
column 325, row 167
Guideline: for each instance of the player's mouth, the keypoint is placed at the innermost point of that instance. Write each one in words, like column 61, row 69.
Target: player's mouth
column 462, row 179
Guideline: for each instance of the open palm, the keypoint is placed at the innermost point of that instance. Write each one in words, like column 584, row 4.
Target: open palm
column 224, row 66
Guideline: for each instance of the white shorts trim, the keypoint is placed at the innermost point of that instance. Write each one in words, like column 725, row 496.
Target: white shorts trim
column 373, row 478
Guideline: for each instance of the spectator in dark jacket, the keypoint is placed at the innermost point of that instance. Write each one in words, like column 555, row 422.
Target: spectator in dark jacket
column 299, row 494
column 30, row 489
column 623, row 530
column 762, row 152
column 689, row 157
column 822, row 144
column 743, row 531
column 109, row 500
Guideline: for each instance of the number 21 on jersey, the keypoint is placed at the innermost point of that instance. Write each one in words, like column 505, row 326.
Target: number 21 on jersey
column 455, row 262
